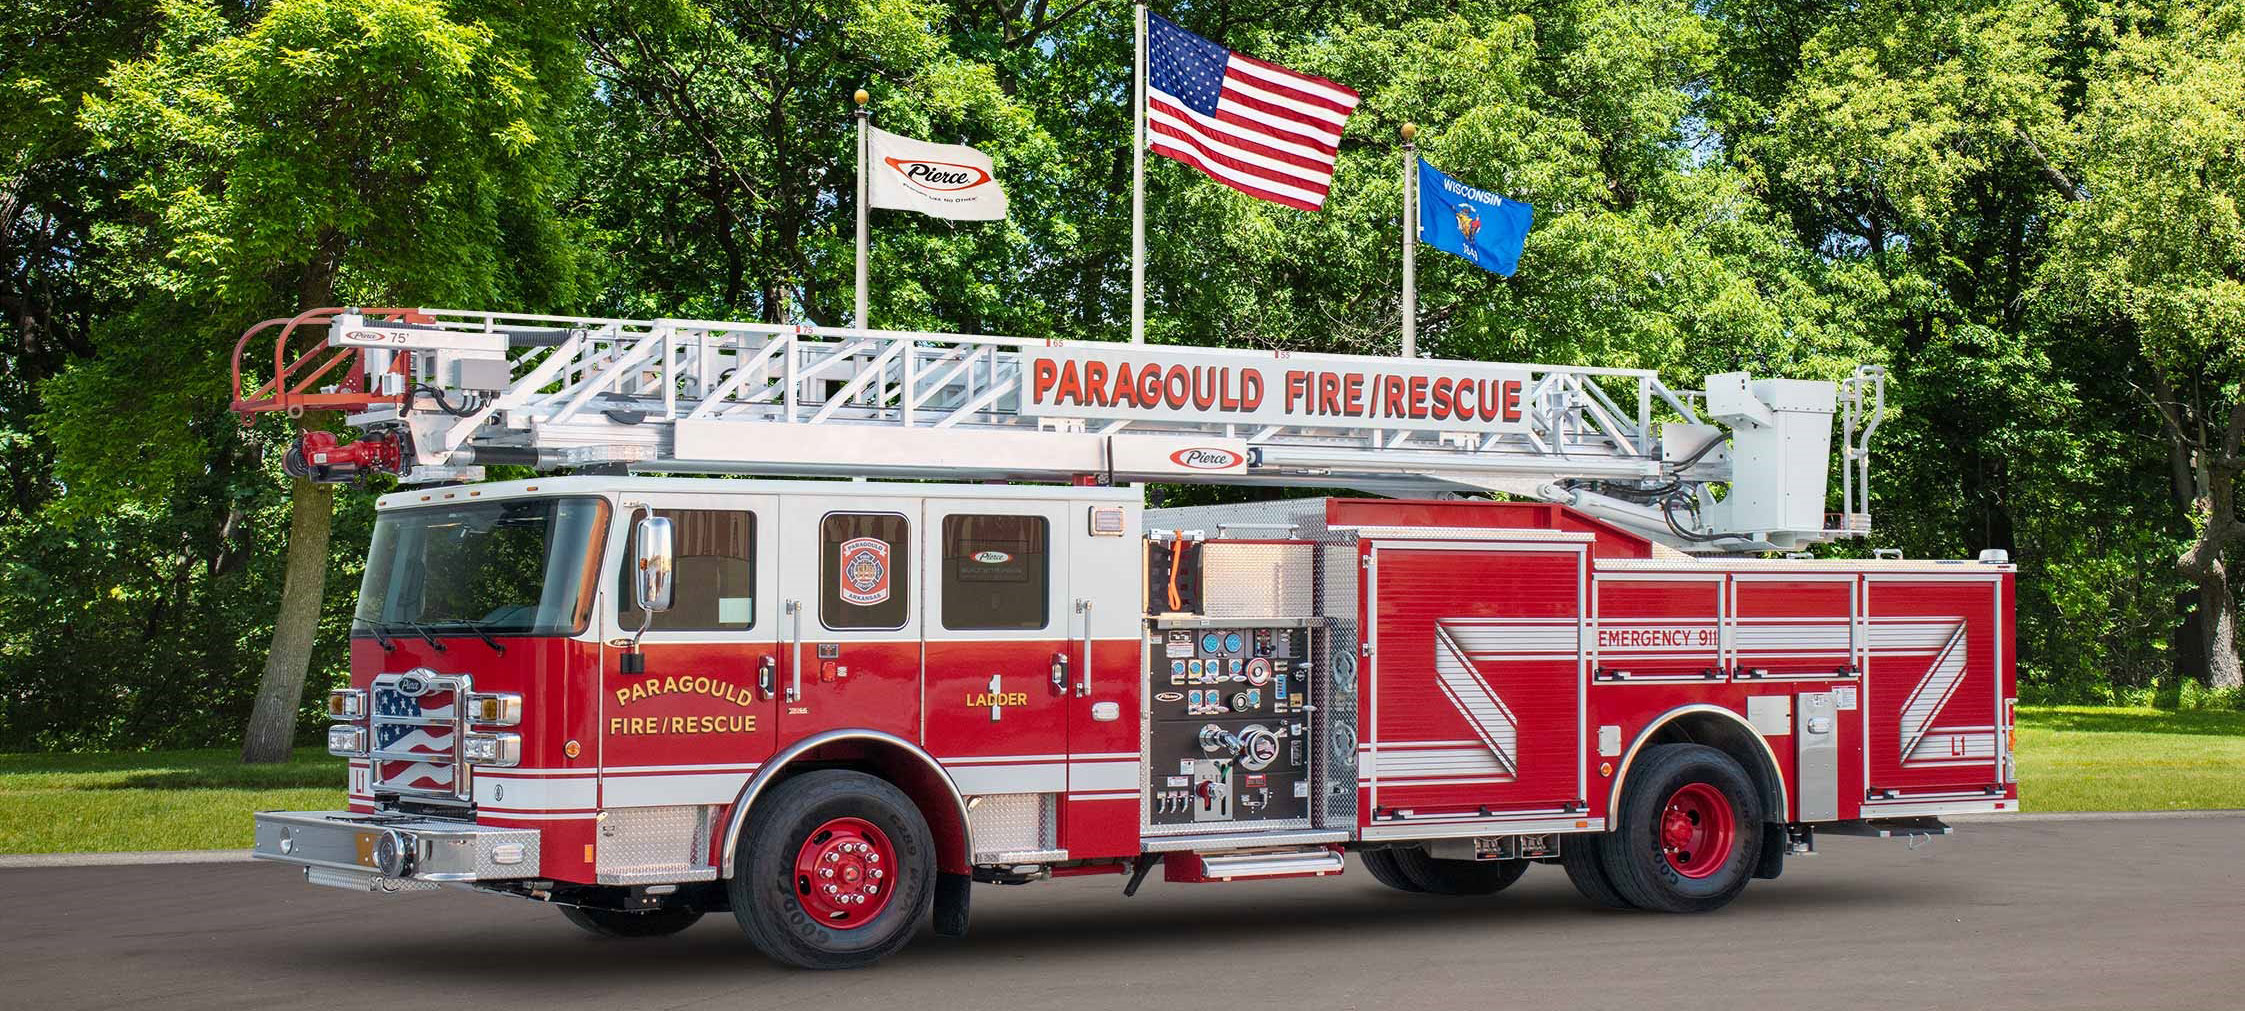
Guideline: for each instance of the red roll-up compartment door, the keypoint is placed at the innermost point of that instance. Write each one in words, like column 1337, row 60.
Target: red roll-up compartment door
column 1932, row 687
column 1474, row 695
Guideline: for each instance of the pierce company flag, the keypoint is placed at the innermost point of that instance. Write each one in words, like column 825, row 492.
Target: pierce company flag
column 938, row 180
column 1475, row 224
column 1254, row 126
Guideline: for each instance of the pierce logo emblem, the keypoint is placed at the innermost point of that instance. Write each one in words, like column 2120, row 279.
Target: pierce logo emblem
column 865, row 571
column 938, row 176
column 992, row 557
column 1205, row 458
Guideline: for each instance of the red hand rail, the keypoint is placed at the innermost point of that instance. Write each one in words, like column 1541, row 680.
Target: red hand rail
column 285, row 391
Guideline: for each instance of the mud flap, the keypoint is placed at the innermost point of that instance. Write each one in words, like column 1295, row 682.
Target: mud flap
column 951, row 894
column 1775, row 840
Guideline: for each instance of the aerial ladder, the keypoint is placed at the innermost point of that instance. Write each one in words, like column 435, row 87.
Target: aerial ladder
column 440, row 395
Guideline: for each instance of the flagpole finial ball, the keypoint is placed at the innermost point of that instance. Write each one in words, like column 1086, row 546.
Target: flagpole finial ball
column 861, row 96
column 1409, row 131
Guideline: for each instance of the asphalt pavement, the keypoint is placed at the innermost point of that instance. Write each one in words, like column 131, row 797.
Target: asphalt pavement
column 2133, row 914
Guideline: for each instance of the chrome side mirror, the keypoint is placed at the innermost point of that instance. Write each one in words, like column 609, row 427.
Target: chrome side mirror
column 652, row 563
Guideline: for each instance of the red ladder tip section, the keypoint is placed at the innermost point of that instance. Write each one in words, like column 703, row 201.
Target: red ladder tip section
column 292, row 388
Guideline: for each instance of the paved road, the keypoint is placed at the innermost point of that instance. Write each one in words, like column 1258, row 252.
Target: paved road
column 2042, row 915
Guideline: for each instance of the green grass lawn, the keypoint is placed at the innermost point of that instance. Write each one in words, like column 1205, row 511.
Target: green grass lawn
column 2070, row 759
column 153, row 800
column 2083, row 758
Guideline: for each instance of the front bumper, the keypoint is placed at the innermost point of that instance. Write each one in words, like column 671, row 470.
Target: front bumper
column 393, row 852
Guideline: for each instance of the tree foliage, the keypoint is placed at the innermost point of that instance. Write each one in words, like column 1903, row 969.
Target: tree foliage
column 2027, row 209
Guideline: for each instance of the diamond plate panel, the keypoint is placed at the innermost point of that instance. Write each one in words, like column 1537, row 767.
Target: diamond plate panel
column 1012, row 822
column 1257, row 580
column 642, row 844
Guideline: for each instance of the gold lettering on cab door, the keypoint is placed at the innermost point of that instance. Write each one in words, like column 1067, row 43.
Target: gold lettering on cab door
column 626, row 726
column 699, row 687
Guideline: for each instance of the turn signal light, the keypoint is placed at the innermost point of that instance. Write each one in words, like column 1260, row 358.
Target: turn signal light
column 349, row 742
column 346, row 704
column 495, row 707
column 492, row 749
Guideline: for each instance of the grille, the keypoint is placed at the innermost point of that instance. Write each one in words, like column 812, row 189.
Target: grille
column 417, row 728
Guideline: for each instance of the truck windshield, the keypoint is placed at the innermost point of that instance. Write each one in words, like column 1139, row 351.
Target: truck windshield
column 509, row 567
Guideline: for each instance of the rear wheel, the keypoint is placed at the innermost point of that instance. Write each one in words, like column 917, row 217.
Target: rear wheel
column 1458, row 877
column 1386, row 871
column 1689, row 831
column 1579, row 855
column 836, row 869
column 617, row 923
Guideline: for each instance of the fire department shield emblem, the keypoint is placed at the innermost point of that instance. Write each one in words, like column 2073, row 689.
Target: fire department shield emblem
column 865, row 571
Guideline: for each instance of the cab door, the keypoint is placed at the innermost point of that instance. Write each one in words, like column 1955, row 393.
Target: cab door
column 996, row 621
column 850, row 645
column 695, row 718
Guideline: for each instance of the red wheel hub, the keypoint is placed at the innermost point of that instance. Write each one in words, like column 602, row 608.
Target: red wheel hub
column 1697, row 830
column 844, row 872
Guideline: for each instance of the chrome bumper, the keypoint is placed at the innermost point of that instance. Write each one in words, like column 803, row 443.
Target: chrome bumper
column 393, row 853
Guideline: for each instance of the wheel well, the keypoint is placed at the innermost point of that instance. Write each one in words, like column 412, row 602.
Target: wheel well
column 1725, row 732
column 882, row 755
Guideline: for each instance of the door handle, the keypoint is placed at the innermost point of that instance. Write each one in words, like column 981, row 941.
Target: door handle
column 1059, row 673
column 795, row 651
column 1083, row 687
column 767, row 675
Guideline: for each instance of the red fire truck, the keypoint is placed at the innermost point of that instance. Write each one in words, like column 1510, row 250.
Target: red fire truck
column 830, row 703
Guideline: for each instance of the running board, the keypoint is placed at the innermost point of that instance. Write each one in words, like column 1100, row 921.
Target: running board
column 1887, row 828
column 1203, row 867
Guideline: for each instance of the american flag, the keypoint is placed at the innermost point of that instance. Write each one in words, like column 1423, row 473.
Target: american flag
column 1254, row 126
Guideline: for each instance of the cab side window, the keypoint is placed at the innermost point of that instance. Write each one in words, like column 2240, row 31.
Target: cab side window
column 996, row 571
column 715, row 574
column 864, row 570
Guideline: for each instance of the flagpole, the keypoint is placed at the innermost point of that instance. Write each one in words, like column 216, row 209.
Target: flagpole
column 1138, row 183
column 1410, row 241
column 862, row 195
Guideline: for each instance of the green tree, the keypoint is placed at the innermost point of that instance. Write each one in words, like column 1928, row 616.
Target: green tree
column 373, row 151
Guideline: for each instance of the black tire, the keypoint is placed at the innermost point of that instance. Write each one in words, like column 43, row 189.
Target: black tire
column 1579, row 855
column 1457, row 877
column 1632, row 851
column 1386, row 871
column 764, row 887
column 617, row 923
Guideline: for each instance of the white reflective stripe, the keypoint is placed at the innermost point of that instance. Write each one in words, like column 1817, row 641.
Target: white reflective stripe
column 536, row 794
column 1005, row 759
column 1132, row 795
column 615, row 770
column 1051, row 777
column 1102, row 775
column 1933, row 692
column 495, row 815
column 691, row 788
column 1461, row 683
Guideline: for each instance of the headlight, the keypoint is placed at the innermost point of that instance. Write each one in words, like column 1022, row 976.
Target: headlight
column 349, row 742
column 497, row 708
column 346, row 704
column 492, row 749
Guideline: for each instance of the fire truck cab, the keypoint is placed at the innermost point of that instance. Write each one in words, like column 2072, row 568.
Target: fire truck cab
column 830, row 706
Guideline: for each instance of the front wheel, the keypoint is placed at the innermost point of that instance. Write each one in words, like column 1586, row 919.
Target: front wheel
column 617, row 923
column 836, row 869
column 1688, row 833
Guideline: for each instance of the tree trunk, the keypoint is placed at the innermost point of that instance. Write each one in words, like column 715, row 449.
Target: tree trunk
column 272, row 724
column 2220, row 624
